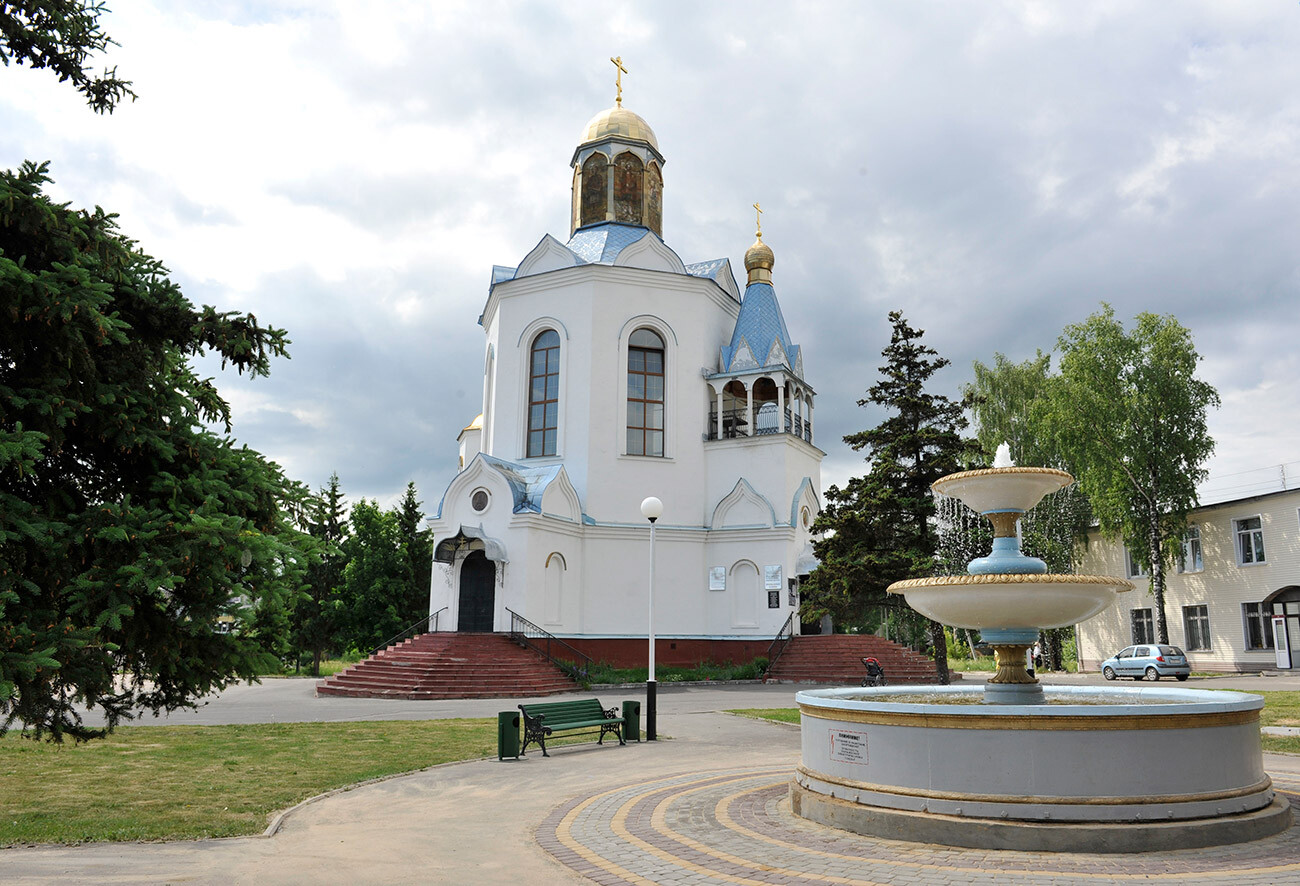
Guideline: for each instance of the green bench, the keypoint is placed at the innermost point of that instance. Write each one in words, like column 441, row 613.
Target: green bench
column 541, row 720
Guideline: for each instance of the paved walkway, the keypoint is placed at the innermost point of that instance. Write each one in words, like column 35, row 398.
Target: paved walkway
column 707, row 806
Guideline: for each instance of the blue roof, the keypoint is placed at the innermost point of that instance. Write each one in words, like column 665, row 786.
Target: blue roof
column 601, row 244
column 527, row 482
column 501, row 273
column 759, row 326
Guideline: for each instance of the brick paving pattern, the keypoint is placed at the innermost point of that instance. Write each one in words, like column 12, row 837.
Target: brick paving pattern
column 721, row 827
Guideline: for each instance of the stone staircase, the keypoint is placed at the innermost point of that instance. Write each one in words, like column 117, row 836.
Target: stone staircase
column 450, row 665
column 837, row 659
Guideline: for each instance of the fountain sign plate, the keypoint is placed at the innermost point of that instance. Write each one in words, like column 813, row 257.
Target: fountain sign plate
column 848, row 745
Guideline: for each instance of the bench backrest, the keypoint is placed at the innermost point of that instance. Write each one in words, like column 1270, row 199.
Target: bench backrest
column 566, row 711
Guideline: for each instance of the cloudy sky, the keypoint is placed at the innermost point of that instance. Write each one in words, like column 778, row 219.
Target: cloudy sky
column 350, row 172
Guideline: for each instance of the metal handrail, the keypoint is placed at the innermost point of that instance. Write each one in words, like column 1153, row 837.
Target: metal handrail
column 410, row 630
column 526, row 633
column 780, row 642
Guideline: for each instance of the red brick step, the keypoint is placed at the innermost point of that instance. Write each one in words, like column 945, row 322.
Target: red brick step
column 450, row 665
column 837, row 659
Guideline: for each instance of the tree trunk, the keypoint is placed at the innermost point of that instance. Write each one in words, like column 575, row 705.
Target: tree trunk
column 1158, row 581
column 940, row 643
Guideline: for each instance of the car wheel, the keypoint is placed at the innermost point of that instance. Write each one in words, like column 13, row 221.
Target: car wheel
column 1181, row 677
column 1108, row 673
column 1152, row 675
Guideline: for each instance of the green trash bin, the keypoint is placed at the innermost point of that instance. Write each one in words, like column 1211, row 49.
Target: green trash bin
column 631, row 721
column 508, row 735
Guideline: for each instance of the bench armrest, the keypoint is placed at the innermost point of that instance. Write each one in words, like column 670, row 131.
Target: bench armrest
column 613, row 714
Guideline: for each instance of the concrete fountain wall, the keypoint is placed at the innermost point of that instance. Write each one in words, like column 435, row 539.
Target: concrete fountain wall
column 1113, row 770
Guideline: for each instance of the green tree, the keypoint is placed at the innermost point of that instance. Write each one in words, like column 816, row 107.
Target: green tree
column 314, row 611
column 128, row 528
column 62, row 35
column 1128, row 415
column 418, row 545
column 1003, row 399
column 880, row 528
column 376, row 580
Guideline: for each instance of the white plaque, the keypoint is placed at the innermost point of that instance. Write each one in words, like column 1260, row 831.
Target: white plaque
column 848, row 746
column 771, row 578
column 718, row 578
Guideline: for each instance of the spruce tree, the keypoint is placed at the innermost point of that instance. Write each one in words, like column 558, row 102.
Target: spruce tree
column 880, row 528
column 135, row 541
column 418, row 544
column 314, row 615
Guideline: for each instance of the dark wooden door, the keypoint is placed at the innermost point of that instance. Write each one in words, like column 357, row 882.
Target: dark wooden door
column 477, row 593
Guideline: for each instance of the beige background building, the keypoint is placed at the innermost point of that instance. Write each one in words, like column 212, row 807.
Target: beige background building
column 1240, row 567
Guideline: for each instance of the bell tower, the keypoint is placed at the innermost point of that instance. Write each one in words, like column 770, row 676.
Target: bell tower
column 617, row 169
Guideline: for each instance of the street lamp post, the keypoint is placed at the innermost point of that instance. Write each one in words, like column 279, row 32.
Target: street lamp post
column 651, row 508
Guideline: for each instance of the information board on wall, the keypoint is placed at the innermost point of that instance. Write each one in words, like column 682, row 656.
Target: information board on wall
column 771, row 578
column 718, row 578
column 848, row 746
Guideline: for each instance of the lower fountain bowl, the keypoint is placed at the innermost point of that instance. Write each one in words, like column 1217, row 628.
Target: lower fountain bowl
column 1093, row 770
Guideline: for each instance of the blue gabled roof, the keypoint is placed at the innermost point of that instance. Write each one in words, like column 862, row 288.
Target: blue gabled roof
column 759, row 326
column 527, row 482
column 601, row 244
column 500, row 273
column 709, row 269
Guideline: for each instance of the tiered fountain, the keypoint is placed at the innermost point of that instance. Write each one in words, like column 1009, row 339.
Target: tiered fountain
column 1011, row 764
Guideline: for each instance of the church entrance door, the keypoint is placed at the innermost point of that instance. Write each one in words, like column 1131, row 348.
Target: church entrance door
column 477, row 593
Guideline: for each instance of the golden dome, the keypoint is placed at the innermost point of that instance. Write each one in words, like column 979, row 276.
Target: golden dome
column 619, row 122
column 475, row 425
column 758, row 261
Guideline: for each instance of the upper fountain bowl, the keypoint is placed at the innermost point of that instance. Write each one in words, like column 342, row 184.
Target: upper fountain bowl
column 1002, row 489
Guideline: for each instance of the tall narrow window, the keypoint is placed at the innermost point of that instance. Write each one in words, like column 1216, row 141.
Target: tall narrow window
column 544, row 394
column 1250, row 541
column 645, row 394
column 1191, row 560
column 1196, row 627
column 1143, row 628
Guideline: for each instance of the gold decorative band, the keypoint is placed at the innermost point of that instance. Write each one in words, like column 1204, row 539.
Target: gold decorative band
column 1201, row 797
column 1014, row 469
column 957, row 581
column 1042, row 722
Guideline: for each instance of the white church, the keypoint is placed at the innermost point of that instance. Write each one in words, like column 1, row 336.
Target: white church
column 613, row 371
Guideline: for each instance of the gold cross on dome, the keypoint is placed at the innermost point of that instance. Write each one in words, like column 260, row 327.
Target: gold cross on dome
column 758, row 221
column 618, row 78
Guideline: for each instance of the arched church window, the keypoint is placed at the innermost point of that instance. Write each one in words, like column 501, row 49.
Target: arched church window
column 594, row 187
column 654, row 202
column 544, row 394
column 628, row 172
column 645, row 393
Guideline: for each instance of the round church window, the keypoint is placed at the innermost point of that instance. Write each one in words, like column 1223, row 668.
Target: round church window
column 805, row 517
column 479, row 500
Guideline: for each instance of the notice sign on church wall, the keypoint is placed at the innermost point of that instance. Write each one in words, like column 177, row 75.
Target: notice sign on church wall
column 718, row 578
column 771, row 578
column 848, row 746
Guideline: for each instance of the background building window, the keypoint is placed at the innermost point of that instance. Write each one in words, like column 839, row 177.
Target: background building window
column 1133, row 567
column 544, row 394
column 645, row 394
column 1143, row 628
column 1190, row 559
column 1259, row 626
column 1250, row 540
column 1196, row 627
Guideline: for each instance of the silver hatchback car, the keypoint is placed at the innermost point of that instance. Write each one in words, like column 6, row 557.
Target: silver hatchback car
column 1150, row 662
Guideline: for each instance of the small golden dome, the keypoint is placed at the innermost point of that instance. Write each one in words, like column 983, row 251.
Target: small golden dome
column 619, row 122
column 759, row 256
column 475, row 425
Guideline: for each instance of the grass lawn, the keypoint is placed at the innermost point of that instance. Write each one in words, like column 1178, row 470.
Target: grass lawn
column 187, row 782
column 1280, row 709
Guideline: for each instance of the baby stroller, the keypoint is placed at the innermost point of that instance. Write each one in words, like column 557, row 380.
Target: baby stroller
column 875, row 673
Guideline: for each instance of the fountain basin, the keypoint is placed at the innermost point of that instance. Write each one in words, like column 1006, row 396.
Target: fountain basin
column 991, row 490
column 1108, row 770
column 1021, row 601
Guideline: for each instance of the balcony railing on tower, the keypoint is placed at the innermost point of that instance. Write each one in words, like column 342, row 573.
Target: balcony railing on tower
column 735, row 423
